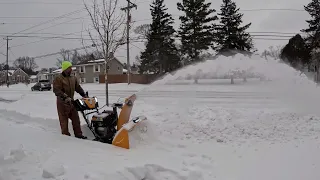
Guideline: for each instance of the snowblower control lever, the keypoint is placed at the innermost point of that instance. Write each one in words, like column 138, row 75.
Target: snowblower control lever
column 118, row 105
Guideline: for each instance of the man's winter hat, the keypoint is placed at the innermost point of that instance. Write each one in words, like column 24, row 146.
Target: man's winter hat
column 65, row 65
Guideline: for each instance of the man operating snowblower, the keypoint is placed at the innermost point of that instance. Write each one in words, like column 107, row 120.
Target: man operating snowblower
column 64, row 87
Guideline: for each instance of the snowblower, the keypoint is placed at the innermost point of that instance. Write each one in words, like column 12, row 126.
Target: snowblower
column 107, row 126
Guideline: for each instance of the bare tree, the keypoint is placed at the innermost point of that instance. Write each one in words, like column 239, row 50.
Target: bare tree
column 107, row 21
column 65, row 55
column 143, row 30
column 273, row 52
column 26, row 63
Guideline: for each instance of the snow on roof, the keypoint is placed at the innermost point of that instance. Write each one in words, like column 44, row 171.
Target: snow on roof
column 124, row 70
column 60, row 70
column 33, row 77
column 96, row 61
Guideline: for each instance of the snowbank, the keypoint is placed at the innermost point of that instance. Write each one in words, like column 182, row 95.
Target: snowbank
column 213, row 130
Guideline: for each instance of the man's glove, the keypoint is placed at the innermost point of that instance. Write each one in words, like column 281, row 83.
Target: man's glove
column 84, row 95
column 68, row 100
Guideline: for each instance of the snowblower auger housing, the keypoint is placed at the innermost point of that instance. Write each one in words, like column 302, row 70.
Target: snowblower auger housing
column 107, row 126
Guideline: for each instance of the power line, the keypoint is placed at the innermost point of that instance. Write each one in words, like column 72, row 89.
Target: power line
column 54, row 37
column 139, row 40
column 258, row 9
column 54, row 19
column 62, row 37
column 48, row 38
column 56, row 25
column 31, row 17
column 44, row 33
column 132, row 41
column 5, row 34
column 34, row 2
column 21, row 23
column 51, row 54
column 274, row 32
column 273, row 9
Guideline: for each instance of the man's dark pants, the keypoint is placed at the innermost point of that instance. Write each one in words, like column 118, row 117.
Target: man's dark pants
column 66, row 111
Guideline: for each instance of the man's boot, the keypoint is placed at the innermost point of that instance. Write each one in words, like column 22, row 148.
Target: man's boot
column 81, row 137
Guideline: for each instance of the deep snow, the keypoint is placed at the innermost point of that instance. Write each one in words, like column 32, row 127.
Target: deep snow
column 255, row 130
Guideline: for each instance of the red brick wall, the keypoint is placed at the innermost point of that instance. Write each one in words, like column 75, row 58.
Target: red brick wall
column 134, row 78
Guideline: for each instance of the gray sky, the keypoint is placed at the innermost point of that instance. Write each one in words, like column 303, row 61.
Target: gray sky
column 262, row 21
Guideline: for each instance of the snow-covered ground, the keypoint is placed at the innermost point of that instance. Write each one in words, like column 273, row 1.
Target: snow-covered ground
column 212, row 130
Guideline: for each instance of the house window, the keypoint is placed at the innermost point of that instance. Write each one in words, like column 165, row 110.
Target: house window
column 118, row 68
column 96, row 79
column 82, row 69
column 96, row 68
column 83, row 80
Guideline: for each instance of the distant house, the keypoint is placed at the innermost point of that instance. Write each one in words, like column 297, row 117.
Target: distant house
column 3, row 76
column 90, row 71
column 134, row 69
column 43, row 76
column 14, row 76
column 33, row 79
column 55, row 73
column 19, row 76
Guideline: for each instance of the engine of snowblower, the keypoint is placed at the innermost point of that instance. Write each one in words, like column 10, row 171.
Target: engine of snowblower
column 104, row 124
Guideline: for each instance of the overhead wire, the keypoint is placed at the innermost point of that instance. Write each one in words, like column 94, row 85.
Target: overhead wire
column 54, row 19
column 51, row 20
column 45, row 29
column 40, row 3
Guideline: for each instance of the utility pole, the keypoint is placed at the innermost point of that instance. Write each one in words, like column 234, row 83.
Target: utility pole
column 7, row 73
column 128, row 8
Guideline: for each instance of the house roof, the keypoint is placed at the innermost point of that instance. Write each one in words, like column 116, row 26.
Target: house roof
column 33, row 77
column 10, row 72
column 21, row 71
column 60, row 70
column 97, row 61
column 43, row 73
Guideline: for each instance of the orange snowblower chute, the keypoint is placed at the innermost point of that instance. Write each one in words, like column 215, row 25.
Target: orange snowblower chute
column 121, row 138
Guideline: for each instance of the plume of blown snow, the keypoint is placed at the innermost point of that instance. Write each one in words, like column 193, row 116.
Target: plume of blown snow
column 241, row 65
column 288, row 83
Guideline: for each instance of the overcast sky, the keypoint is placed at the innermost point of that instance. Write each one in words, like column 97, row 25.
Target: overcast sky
column 14, row 17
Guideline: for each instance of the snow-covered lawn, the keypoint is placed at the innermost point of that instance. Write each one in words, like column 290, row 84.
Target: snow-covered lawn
column 211, row 130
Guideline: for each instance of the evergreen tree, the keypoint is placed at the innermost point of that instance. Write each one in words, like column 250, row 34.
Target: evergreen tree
column 313, row 31
column 161, row 54
column 196, row 30
column 230, row 35
column 296, row 53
